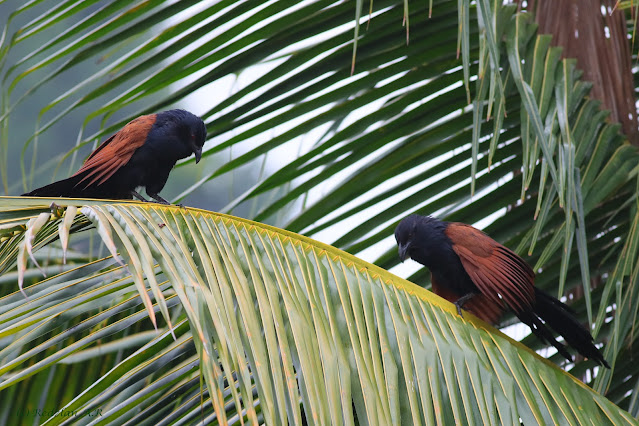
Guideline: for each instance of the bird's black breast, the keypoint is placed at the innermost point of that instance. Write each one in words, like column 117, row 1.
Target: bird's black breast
column 150, row 167
column 434, row 249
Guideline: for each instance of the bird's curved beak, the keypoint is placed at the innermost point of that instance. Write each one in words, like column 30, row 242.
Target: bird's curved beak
column 198, row 154
column 403, row 252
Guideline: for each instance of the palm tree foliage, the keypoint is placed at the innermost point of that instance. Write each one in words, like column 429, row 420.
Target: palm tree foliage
column 391, row 133
column 280, row 327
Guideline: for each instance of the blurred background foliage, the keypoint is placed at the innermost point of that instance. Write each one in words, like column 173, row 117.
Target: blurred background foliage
column 336, row 119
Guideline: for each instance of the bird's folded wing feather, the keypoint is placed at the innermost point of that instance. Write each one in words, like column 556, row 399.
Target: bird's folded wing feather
column 498, row 272
column 116, row 151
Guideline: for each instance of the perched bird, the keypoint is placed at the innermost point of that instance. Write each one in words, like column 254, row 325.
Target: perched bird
column 141, row 154
column 484, row 277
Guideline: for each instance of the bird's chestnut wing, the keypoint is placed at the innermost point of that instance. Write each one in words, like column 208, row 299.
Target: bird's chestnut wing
column 498, row 272
column 116, row 151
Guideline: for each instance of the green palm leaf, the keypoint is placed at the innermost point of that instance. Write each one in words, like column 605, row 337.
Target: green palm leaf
column 279, row 326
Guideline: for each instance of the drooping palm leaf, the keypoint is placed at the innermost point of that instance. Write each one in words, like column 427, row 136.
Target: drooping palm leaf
column 279, row 326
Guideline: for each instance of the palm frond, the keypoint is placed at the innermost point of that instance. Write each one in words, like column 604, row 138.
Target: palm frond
column 280, row 327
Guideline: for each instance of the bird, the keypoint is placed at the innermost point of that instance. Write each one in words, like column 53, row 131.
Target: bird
column 141, row 154
column 482, row 276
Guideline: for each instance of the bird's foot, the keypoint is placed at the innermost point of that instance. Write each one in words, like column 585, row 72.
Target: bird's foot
column 161, row 200
column 459, row 303
column 138, row 196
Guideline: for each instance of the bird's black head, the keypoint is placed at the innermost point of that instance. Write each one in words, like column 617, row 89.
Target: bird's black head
column 187, row 128
column 416, row 235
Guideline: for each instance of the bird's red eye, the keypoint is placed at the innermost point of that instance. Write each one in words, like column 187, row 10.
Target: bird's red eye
column 192, row 136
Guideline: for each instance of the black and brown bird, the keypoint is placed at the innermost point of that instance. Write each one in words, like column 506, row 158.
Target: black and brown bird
column 480, row 275
column 141, row 154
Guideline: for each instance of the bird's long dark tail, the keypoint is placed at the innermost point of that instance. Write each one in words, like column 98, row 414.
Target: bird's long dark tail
column 62, row 188
column 560, row 318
